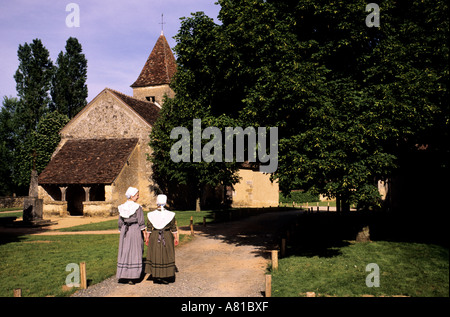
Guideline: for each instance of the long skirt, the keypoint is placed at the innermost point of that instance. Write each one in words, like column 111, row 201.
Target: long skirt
column 160, row 260
column 131, row 247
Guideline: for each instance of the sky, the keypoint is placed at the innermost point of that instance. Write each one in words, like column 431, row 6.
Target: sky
column 116, row 36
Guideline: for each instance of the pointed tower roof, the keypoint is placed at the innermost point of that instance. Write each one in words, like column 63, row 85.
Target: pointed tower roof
column 160, row 65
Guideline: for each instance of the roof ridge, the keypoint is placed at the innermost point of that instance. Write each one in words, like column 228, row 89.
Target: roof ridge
column 128, row 96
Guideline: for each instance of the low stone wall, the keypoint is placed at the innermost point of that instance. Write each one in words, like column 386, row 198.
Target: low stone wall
column 90, row 209
column 55, row 208
column 11, row 202
column 99, row 209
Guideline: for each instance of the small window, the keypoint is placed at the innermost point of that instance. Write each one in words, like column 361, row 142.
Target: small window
column 150, row 98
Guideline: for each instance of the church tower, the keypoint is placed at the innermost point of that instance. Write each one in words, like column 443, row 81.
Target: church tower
column 154, row 79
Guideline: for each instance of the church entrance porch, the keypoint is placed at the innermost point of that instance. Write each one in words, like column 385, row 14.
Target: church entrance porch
column 76, row 200
column 83, row 175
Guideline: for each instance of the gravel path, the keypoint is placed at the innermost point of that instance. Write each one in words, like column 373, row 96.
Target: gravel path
column 223, row 260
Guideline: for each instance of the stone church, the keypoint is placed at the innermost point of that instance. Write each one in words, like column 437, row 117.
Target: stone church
column 103, row 150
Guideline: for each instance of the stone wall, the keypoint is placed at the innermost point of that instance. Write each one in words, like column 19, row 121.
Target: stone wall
column 11, row 202
column 106, row 117
column 55, row 208
column 99, row 209
column 156, row 91
column 255, row 190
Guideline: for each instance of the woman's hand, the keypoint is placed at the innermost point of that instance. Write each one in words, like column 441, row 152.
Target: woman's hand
column 175, row 238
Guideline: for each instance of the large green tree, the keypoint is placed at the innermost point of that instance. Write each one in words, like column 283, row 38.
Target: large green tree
column 33, row 81
column 69, row 90
column 31, row 123
column 8, row 126
column 20, row 154
column 347, row 98
column 37, row 149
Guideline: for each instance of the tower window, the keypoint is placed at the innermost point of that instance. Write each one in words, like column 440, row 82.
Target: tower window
column 150, row 98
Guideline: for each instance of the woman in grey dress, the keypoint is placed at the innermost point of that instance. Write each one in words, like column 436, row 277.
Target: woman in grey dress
column 131, row 243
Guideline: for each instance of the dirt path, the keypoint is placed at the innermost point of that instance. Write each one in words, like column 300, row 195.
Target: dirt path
column 223, row 260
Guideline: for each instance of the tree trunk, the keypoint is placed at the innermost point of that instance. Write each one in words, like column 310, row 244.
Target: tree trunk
column 345, row 205
column 345, row 202
column 338, row 204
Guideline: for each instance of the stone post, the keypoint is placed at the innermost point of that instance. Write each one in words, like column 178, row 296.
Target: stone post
column 86, row 191
column 32, row 205
column 63, row 193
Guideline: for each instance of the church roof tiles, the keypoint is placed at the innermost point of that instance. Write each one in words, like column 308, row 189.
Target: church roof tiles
column 88, row 161
column 160, row 66
column 147, row 110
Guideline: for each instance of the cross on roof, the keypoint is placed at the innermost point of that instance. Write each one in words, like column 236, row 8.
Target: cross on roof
column 162, row 23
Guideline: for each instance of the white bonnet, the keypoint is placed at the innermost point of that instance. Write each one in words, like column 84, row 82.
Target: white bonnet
column 161, row 200
column 131, row 191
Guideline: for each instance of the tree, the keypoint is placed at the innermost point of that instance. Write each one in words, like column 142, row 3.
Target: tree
column 33, row 128
column 69, row 90
column 346, row 97
column 33, row 81
column 37, row 148
column 8, row 126
column 192, row 176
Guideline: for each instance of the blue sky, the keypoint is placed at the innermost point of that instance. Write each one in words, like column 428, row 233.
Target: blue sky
column 117, row 36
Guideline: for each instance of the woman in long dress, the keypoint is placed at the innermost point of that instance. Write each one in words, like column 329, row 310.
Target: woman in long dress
column 131, row 244
column 163, row 236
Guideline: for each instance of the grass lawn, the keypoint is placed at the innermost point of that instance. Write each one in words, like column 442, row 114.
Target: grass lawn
column 409, row 269
column 11, row 213
column 37, row 264
column 183, row 219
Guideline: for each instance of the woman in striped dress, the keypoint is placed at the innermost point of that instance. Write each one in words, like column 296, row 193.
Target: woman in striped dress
column 131, row 243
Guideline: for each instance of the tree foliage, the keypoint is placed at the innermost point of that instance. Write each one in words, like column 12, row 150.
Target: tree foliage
column 8, row 125
column 69, row 90
column 30, row 124
column 347, row 98
column 33, row 80
column 37, row 148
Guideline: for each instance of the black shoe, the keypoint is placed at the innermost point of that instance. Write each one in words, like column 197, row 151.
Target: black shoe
column 160, row 281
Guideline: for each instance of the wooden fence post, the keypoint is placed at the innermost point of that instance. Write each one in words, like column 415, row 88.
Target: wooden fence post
column 283, row 247
column 204, row 221
column 192, row 226
column 268, row 285
column 274, row 259
column 83, row 280
column 17, row 292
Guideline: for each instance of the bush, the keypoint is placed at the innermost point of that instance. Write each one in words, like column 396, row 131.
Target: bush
column 299, row 197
